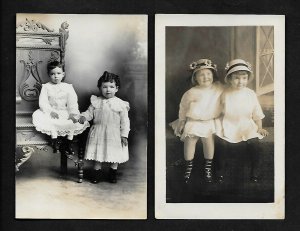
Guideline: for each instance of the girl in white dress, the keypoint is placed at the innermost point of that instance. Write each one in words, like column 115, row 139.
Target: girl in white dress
column 107, row 139
column 56, row 116
column 242, row 113
column 198, row 109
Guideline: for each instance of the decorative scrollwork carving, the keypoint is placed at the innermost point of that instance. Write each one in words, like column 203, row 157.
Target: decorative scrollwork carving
column 64, row 31
column 32, row 25
column 31, row 85
column 27, row 152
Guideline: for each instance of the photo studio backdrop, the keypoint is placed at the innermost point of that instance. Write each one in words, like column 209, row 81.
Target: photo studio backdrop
column 88, row 45
column 254, row 44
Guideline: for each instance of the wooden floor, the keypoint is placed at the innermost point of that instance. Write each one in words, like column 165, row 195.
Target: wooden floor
column 236, row 188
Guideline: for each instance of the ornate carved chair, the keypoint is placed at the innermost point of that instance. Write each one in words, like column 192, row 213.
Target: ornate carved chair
column 36, row 45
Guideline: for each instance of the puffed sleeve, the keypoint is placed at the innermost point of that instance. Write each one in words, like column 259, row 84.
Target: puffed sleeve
column 43, row 100
column 125, row 122
column 257, row 111
column 72, row 101
column 183, row 107
column 89, row 113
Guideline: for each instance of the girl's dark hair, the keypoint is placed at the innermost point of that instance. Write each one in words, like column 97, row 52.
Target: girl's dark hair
column 109, row 77
column 230, row 75
column 52, row 65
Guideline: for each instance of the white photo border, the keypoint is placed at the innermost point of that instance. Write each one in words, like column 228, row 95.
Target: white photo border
column 275, row 210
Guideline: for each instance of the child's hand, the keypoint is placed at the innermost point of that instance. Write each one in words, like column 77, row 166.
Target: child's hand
column 124, row 141
column 54, row 115
column 179, row 128
column 72, row 117
column 263, row 132
column 81, row 119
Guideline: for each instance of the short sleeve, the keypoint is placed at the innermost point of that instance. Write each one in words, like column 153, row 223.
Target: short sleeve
column 125, row 122
column 257, row 111
column 183, row 106
column 89, row 113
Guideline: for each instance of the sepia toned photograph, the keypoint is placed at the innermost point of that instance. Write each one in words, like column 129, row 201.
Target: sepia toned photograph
column 219, row 117
column 81, row 116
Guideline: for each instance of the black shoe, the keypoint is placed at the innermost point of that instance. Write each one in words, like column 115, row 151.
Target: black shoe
column 96, row 178
column 188, row 171
column 70, row 148
column 56, row 145
column 220, row 179
column 208, row 171
column 112, row 175
column 254, row 179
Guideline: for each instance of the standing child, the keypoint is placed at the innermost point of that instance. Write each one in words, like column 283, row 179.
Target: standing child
column 58, row 109
column 198, row 108
column 242, row 118
column 107, row 139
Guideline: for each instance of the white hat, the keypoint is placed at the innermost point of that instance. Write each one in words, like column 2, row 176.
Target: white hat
column 202, row 64
column 238, row 65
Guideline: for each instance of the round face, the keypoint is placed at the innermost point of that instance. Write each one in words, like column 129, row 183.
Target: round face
column 108, row 89
column 56, row 75
column 239, row 79
column 204, row 77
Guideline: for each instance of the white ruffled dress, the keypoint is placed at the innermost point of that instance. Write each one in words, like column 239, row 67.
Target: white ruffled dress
column 241, row 109
column 62, row 99
column 110, row 123
column 199, row 107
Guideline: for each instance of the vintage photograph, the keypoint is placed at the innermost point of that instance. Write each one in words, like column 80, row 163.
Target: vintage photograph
column 81, row 116
column 219, row 116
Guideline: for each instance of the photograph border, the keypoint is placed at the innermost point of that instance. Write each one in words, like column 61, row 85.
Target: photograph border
column 274, row 210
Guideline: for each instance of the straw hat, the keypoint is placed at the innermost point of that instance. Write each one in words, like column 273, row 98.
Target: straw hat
column 202, row 64
column 238, row 65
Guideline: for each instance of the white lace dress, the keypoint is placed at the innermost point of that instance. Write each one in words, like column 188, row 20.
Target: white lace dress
column 62, row 99
column 110, row 123
column 241, row 109
column 199, row 107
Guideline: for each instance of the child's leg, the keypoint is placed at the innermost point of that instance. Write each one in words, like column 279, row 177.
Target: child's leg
column 114, row 165
column 55, row 141
column 190, row 147
column 97, row 173
column 113, row 172
column 97, row 165
column 254, row 152
column 221, row 147
column 70, row 136
column 189, row 153
column 70, row 144
column 208, row 151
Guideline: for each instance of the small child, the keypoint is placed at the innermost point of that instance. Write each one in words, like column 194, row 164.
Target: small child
column 58, row 109
column 107, row 139
column 198, row 109
column 242, row 118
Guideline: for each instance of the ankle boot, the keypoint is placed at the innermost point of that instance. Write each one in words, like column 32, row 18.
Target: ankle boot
column 112, row 175
column 188, row 170
column 56, row 144
column 70, row 147
column 97, row 175
column 208, row 170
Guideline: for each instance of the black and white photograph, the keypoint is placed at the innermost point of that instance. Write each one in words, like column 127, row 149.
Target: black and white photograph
column 81, row 116
column 219, row 116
